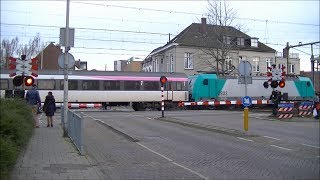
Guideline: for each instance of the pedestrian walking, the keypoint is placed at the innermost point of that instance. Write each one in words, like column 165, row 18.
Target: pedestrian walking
column 49, row 108
column 33, row 98
column 316, row 110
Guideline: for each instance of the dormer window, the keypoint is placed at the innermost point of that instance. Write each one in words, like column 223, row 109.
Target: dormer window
column 226, row 39
column 240, row 41
column 254, row 42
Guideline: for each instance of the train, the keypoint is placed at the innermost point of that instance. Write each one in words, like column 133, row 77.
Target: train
column 141, row 90
column 210, row 87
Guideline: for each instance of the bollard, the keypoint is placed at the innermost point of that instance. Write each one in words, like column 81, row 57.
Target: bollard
column 246, row 118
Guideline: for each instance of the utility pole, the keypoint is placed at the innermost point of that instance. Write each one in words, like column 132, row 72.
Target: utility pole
column 66, row 83
column 286, row 50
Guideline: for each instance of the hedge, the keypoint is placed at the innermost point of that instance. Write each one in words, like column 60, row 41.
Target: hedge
column 16, row 128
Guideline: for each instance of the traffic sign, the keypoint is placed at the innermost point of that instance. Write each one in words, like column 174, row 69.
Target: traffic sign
column 70, row 58
column 245, row 68
column 246, row 101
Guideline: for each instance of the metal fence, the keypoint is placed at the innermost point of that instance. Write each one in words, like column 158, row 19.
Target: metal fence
column 74, row 129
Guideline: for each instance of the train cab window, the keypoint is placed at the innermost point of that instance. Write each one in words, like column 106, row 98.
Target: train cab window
column 308, row 84
column 111, row 85
column 46, row 84
column 132, row 85
column 90, row 85
column 4, row 84
column 151, row 85
column 205, row 82
column 72, row 84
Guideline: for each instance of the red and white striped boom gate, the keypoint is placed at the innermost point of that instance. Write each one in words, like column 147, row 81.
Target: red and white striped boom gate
column 218, row 103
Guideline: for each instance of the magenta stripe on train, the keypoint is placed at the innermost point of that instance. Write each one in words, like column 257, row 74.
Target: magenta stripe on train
column 137, row 78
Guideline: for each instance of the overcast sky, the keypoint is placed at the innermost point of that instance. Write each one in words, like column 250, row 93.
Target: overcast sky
column 106, row 31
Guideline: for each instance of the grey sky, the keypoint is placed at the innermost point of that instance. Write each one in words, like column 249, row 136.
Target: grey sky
column 113, row 30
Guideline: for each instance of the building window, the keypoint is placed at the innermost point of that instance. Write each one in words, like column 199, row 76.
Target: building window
column 268, row 63
column 157, row 66
column 188, row 61
column 256, row 67
column 228, row 63
column 280, row 66
column 171, row 63
column 226, row 39
column 168, row 64
column 242, row 58
column 254, row 42
column 240, row 41
column 291, row 68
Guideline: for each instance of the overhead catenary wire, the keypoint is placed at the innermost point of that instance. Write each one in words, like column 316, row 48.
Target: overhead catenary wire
column 191, row 13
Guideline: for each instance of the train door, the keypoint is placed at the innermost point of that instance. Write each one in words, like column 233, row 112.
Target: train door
column 306, row 89
column 208, row 90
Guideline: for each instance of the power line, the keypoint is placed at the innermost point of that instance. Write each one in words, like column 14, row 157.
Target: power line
column 112, row 49
column 83, row 28
column 91, row 17
column 81, row 52
column 302, row 51
column 190, row 13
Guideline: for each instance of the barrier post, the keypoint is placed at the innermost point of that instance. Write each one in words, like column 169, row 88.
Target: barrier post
column 246, row 118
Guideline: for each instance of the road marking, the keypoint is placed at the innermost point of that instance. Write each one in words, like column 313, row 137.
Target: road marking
column 271, row 138
column 311, row 146
column 281, row 147
column 170, row 160
column 149, row 118
column 245, row 139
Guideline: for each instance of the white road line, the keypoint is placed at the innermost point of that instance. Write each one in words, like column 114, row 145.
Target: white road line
column 149, row 118
column 245, row 139
column 281, row 147
column 271, row 138
column 311, row 146
column 170, row 160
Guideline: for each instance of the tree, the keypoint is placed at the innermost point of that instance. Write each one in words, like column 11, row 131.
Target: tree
column 220, row 43
column 14, row 48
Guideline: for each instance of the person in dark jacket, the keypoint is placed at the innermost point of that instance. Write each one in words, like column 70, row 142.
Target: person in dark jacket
column 49, row 108
column 33, row 98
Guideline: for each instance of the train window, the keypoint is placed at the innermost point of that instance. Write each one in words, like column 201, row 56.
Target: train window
column 205, row 82
column 151, row 85
column 308, row 84
column 111, row 85
column 131, row 85
column 179, row 86
column 48, row 84
column 90, row 85
column 4, row 84
column 72, row 84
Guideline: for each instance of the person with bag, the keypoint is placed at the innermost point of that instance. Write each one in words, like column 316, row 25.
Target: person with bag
column 49, row 108
column 33, row 98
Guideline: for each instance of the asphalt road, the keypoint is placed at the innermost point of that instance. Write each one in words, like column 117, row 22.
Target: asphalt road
column 165, row 150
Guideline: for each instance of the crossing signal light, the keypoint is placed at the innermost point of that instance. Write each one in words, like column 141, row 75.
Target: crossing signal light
column 274, row 84
column 282, row 84
column 265, row 84
column 163, row 80
column 28, row 80
column 18, row 80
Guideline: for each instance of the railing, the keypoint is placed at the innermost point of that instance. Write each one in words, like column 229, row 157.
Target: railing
column 75, row 129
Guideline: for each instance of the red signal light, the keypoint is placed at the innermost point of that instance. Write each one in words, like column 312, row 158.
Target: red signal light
column 28, row 80
column 163, row 79
column 274, row 84
column 282, row 84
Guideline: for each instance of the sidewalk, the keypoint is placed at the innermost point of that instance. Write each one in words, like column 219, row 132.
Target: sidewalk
column 51, row 156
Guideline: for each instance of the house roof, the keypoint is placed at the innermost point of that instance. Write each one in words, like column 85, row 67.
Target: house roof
column 193, row 36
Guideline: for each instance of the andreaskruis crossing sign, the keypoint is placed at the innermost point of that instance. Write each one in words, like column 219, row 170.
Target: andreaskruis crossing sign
column 23, row 67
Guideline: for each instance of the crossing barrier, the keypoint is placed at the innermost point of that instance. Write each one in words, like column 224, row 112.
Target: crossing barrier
column 305, row 109
column 285, row 110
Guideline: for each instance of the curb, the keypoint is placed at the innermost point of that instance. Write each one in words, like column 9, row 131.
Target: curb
column 127, row 136
column 222, row 130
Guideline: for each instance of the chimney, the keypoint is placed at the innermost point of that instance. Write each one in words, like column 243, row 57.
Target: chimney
column 203, row 25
